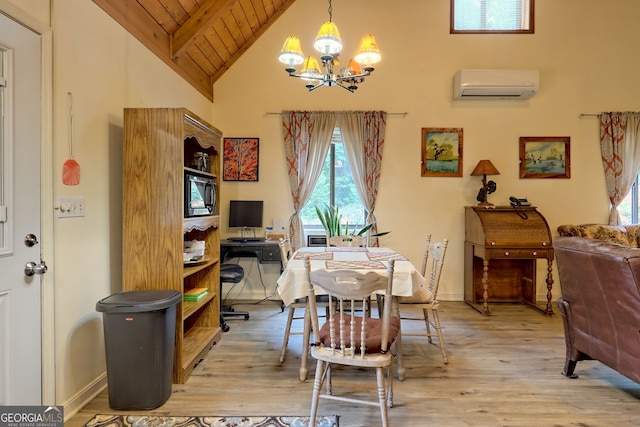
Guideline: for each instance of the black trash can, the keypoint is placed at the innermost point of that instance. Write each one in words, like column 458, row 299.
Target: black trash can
column 139, row 333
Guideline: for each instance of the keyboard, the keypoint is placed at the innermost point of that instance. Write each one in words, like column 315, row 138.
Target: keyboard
column 246, row 239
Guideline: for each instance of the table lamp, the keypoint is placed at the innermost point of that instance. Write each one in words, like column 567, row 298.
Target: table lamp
column 484, row 168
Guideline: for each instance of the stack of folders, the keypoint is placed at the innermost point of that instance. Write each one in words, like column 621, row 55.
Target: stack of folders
column 195, row 294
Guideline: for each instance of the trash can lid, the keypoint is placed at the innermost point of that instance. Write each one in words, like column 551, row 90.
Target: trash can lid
column 138, row 301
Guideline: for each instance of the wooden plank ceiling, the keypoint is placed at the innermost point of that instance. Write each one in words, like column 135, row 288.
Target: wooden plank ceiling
column 199, row 39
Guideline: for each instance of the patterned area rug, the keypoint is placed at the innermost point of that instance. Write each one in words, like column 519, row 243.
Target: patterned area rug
column 213, row 421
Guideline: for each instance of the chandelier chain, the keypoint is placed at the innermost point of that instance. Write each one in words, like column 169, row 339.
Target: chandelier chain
column 330, row 12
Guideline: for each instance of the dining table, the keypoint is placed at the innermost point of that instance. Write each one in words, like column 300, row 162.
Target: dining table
column 291, row 284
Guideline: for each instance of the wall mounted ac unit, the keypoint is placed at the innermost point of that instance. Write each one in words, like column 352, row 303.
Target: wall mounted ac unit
column 496, row 84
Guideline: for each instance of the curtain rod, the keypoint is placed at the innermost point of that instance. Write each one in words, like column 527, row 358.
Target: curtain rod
column 272, row 113
column 598, row 115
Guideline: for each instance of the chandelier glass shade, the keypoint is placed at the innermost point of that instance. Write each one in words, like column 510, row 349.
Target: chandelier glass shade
column 368, row 53
column 329, row 45
column 291, row 52
column 310, row 70
column 328, row 41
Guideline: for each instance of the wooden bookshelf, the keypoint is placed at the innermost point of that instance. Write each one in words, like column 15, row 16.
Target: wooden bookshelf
column 159, row 144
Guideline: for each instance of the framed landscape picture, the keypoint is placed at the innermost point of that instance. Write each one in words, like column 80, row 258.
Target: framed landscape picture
column 545, row 157
column 240, row 159
column 441, row 152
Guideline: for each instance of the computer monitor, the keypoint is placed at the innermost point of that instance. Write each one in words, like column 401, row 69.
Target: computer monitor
column 245, row 213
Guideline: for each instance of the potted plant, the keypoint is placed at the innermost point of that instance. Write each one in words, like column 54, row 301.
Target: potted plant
column 331, row 220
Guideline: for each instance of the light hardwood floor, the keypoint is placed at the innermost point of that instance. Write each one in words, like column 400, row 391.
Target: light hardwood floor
column 504, row 370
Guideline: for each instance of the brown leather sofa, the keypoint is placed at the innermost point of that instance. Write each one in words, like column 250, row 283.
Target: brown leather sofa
column 600, row 303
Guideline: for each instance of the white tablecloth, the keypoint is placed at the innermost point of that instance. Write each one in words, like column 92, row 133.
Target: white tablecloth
column 291, row 283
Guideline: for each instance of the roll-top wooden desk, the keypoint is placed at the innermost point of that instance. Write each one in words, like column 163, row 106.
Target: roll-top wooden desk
column 502, row 245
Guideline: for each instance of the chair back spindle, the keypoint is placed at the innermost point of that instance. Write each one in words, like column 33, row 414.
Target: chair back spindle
column 436, row 251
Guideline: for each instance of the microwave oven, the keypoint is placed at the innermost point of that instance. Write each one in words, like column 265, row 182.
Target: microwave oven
column 199, row 195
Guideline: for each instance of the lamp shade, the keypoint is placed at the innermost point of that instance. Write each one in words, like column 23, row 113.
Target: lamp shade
column 310, row 70
column 485, row 167
column 368, row 53
column 291, row 52
column 328, row 41
column 352, row 69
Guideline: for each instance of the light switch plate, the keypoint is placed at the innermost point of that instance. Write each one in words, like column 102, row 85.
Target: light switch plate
column 70, row 207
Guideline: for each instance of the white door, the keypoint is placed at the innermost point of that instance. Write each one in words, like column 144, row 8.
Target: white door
column 20, row 135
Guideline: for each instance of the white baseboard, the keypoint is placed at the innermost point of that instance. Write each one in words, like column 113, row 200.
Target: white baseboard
column 450, row 297
column 84, row 396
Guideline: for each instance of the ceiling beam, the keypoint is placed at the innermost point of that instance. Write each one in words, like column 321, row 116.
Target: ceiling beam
column 196, row 25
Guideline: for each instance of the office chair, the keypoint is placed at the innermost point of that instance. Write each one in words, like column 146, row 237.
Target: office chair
column 230, row 273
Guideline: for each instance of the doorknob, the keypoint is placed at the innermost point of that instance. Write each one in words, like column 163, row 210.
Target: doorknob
column 32, row 268
column 30, row 240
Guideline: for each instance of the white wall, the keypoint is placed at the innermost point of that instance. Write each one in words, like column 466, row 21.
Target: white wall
column 35, row 9
column 106, row 70
column 582, row 49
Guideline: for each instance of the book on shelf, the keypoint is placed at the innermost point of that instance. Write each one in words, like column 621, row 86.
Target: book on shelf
column 195, row 294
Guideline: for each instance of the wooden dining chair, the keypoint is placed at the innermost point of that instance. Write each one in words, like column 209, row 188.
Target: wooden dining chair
column 427, row 298
column 298, row 306
column 350, row 241
column 350, row 340
column 285, row 250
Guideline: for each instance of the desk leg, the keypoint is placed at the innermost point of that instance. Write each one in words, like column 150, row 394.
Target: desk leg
column 395, row 312
column 485, row 287
column 549, row 309
column 305, row 343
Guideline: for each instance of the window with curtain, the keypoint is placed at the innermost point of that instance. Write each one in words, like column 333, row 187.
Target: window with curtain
column 335, row 187
column 492, row 16
column 620, row 152
column 628, row 208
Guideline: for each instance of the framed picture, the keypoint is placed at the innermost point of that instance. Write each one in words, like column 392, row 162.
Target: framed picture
column 545, row 157
column 441, row 152
column 240, row 159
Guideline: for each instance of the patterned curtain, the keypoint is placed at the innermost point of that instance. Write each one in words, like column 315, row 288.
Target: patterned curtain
column 619, row 146
column 307, row 138
column 363, row 134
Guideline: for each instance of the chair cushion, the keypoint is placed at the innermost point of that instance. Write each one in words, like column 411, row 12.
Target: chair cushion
column 231, row 273
column 373, row 331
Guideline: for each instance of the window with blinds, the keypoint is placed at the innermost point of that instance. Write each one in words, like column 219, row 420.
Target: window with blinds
column 492, row 16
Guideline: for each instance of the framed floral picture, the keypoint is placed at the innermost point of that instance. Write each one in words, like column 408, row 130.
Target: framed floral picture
column 545, row 157
column 240, row 159
column 441, row 152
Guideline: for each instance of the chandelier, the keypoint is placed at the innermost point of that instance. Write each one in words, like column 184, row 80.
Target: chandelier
column 329, row 45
